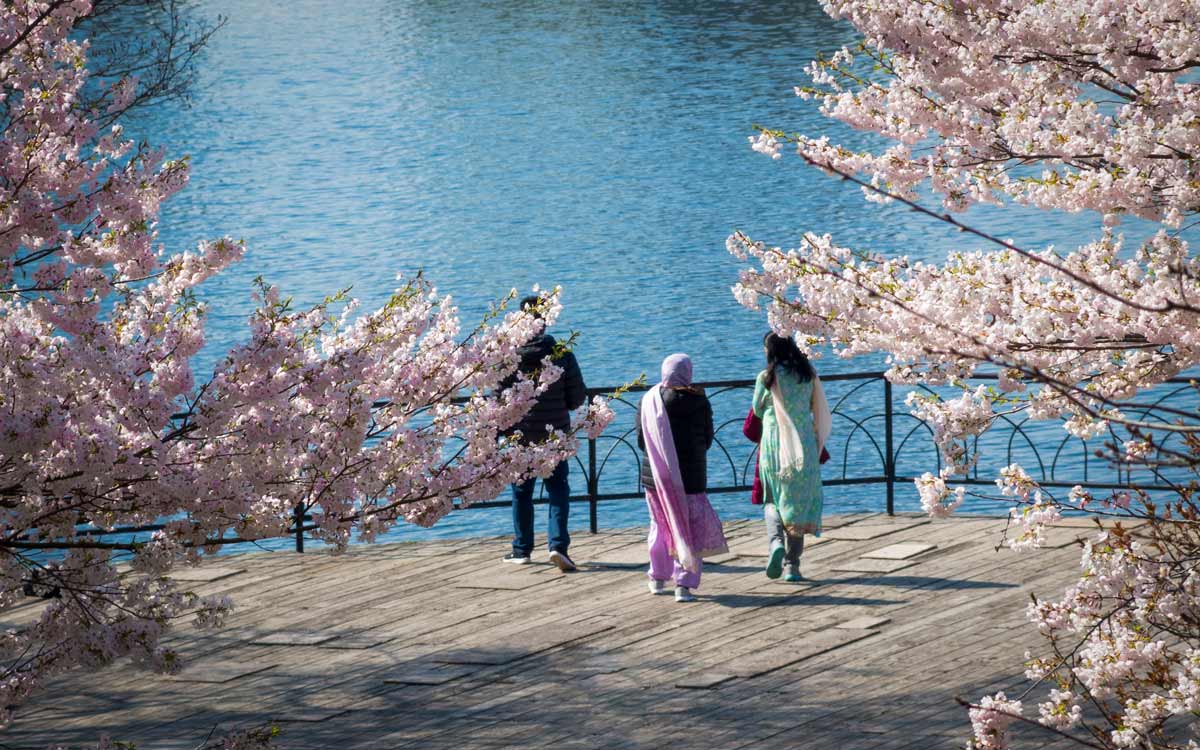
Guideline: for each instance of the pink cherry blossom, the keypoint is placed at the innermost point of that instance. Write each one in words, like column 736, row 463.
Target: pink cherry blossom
column 1069, row 105
column 990, row 722
column 359, row 419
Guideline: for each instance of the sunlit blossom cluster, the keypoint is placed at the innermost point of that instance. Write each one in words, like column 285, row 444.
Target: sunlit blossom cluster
column 937, row 498
column 1062, row 348
column 1062, row 104
column 1115, row 637
column 1033, row 511
column 954, row 421
column 991, row 720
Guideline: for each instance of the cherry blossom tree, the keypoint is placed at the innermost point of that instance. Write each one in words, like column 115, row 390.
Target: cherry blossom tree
column 1065, row 105
column 341, row 420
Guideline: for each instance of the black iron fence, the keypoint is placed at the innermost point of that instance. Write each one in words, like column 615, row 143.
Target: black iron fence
column 611, row 463
column 873, row 443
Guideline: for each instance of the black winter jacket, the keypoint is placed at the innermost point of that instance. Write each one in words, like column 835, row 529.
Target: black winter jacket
column 691, row 420
column 564, row 395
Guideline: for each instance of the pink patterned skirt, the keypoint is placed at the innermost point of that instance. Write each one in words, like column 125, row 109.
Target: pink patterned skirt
column 707, row 536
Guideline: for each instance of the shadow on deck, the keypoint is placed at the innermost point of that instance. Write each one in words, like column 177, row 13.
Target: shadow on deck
column 438, row 645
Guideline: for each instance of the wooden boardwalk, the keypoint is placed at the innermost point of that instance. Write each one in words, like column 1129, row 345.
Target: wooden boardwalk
column 439, row 645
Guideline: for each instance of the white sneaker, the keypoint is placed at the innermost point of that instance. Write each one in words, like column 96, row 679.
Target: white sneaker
column 684, row 594
column 563, row 562
column 656, row 587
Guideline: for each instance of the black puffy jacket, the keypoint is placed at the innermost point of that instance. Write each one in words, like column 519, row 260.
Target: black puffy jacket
column 691, row 420
column 564, row 395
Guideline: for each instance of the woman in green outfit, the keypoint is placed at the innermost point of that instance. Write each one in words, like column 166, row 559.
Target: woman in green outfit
column 789, row 400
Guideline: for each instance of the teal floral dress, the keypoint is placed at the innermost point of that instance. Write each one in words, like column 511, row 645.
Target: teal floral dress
column 797, row 494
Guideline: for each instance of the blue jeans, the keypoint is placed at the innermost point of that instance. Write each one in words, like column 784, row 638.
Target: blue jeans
column 559, row 491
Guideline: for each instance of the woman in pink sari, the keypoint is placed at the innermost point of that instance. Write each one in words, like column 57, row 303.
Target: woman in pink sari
column 675, row 431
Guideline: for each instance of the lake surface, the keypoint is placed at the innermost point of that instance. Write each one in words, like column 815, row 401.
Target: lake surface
column 597, row 145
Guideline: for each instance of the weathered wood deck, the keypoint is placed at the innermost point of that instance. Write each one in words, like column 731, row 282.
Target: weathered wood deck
column 439, row 645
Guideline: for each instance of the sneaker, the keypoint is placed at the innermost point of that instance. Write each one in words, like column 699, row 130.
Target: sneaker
column 656, row 587
column 684, row 594
column 793, row 573
column 775, row 563
column 516, row 558
column 562, row 561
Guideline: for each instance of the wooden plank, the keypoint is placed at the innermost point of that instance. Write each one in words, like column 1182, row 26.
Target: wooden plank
column 206, row 574
column 785, row 653
column 363, row 640
column 874, row 566
column 416, row 550
column 505, row 581
column 493, row 655
column 720, row 559
column 294, row 638
column 218, row 672
column 1058, row 538
column 600, row 662
column 751, row 547
column 307, row 714
column 861, row 532
column 427, row 674
column 487, row 650
column 703, row 680
column 900, row 551
column 757, row 546
column 865, row 622
column 634, row 555
column 1088, row 523
column 845, row 519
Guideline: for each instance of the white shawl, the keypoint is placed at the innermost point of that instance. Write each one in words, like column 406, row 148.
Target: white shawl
column 791, row 448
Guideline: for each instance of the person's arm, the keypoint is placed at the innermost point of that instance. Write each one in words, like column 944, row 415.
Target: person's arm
column 708, row 423
column 761, row 395
column 822, row 418
column 574, row 388
column 641, row 437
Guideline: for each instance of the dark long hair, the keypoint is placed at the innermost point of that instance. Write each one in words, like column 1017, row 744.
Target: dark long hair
column 783, row 352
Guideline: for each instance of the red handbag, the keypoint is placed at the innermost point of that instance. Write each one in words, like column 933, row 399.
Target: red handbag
column 752, row 428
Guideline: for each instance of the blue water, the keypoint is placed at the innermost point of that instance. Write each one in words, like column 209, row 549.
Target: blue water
column 597, row 145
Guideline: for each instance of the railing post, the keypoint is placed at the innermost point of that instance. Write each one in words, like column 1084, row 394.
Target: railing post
column 593, row 485
column 298, row 514
column 890, row 462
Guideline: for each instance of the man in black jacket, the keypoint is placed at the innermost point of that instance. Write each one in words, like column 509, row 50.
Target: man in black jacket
column 553, row 408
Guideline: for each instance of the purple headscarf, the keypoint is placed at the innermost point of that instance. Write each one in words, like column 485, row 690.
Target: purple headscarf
column 677, row 371
column 664, row 463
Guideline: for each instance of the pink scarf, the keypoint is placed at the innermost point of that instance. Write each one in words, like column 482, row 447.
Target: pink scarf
column 664, row 463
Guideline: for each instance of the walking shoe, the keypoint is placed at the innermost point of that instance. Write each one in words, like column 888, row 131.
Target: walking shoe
column 775, row 563
column 656, row 587
column 516, row 558
column 684, row 594
column 793, row 573
column 562, row 561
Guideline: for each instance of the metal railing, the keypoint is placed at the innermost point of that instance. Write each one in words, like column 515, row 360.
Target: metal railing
column 869, row 443
column 734, row 466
